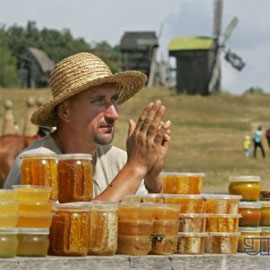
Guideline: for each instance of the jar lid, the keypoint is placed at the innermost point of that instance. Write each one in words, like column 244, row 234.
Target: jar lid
column 255, row 205
column 228, row 234
column 8, row 230
column 34, row 231
column 150, row 195
column 222, row 196
column 74, row 156
column 265, row 229
column 186, row 174
column 250, row 229
column 39, row 155
column 94, row 205
column 245, row 178
column 265, row 203
column 194, row 215
column 71, row 207
column 139, row 204
column 193, row 234
column 183, row 196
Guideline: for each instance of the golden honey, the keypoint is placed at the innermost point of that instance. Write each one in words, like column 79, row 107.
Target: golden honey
column 8, row 195
column 182, row 183
column 136, row 211
column 8, row 242
column 75, row 178
column 164, row 245
column 265, row 214
column 250, row 240
column 191, row 243
column 135, row 227
column 222, row 223
column 9, row 208
column 166, row 211
column 251, row 214
column 194, row 204
column 265, row 239
column 8, row 221
column 44, row 208
column 248, row 187
column 69, row 231
column 222, row 243
column 194, row 223
column 34, row 221
column 40, row 169
column 222, row 203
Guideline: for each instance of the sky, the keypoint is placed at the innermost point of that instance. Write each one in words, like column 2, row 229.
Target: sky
column 97, row 20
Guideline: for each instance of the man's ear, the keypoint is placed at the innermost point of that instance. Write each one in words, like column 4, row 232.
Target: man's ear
column 62, row 111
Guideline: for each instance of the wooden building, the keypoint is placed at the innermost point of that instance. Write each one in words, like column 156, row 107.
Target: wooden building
column 137, row 50
column 34, row 68
column 195, row 57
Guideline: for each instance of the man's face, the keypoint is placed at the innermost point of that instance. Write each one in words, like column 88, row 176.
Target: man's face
column 93, row 113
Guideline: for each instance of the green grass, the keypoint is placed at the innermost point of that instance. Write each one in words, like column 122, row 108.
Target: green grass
column 207, row 132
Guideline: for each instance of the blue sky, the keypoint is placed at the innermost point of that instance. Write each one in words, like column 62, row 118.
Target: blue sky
column 108, row 19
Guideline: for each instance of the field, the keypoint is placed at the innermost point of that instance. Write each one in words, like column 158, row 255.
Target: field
column 207, row 132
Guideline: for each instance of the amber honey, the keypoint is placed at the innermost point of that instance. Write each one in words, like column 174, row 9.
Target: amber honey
column 251, row 214
column 187, row 203
column 265, row 239
column 182, row 183
column 265, row 214
column 75, row 178
column 69, row 231
column 135, row 227
column 35, row 208
column 166, row 212
column 41, row 170
column 9, row 208
column 250, row 240
column 191, row 243
column 166, row 227
column 222, row 223
column 8, row 195
column 164, row 245
column 136, row 211
column 8, row 221
column 194, row 223
column 34, row 221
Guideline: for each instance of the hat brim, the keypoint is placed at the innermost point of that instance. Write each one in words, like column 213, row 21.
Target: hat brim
column 128, row 83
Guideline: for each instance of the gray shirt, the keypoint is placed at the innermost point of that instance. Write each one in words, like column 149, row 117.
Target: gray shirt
column 108, row 161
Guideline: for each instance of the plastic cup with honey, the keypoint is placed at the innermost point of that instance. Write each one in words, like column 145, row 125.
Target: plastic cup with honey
column 40, row 169
column 75, row 178
column 8, row 195
column 249, row 241
column 251, row 214
column 182, row 183
column 8, row 242
column 249, row 187
column 9, row 208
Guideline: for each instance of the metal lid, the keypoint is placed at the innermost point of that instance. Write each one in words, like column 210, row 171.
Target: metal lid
column 255, row 205
column 245, row 178
column 250, row 229
column 8, row 230
column 74, row 156
column 186, row 174
column 34, row 231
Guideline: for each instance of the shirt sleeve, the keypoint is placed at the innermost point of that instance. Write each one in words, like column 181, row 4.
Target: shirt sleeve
column 14, row 176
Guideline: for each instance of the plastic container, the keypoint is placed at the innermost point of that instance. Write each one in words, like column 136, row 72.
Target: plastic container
column 222, row 223
column 69, row 234
column 192, row 223
column 251, row 213
column 191, row 243
column 134, row 245
column 8, row 242
column 43, row 208
column 36, row 221
column 136, row 211
column 249, row 187
column 222, row 243
column 182, row 183
column 8, row 195
column 222, row 203
column 154, row 198
column 33, row 242
column 265, row 239
column 249, row 240
column 166, row 211
column 9, row 208
column 32, row 193
column 75, row 178
column 135, row 227
column 40, row 169
column 194, row 204
column 8, row 221
column 265, row 217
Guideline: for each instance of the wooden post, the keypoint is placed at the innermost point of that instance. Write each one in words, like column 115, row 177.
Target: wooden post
column 8, row 121
column 29, row 129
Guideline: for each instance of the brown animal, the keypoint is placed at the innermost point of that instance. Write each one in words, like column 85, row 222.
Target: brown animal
column 10, row 146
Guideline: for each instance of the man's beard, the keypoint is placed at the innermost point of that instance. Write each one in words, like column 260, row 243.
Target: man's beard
column 103, row 141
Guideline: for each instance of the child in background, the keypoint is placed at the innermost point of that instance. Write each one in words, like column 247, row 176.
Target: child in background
column 247, row 146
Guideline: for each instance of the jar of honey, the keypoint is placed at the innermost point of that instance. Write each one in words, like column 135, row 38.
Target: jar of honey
column 250, row 240
column 34, row 221
column 9, row 208
column 33, row 242
column 75, row 177
column 265, row 239
column 222, row 222
column 154, row 198
column 222, row 203
column 251, row 213
column 135, row 227
column 8, row 195
column 194, row 204
column 249, row 187
column 182, row 183
column 265, row 218
column 191, row 243
column 69, row 234
column 8, row 242
column 40, row 169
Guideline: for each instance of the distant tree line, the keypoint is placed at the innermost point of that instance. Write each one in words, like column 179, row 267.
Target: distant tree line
column 56, row 44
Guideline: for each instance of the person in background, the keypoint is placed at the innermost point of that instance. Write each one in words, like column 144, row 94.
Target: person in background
column 84, row 110
column 247, row 146
column 267, row 136
column 257, row 140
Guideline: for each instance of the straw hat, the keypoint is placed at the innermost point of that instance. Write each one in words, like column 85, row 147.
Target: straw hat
column 79, row 72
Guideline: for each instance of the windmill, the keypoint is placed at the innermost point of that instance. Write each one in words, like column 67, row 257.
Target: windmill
column 232, row 58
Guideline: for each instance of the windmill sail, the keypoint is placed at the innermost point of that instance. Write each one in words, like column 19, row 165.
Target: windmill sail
column 218, row 7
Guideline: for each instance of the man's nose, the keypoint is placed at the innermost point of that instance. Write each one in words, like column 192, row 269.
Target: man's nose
column 112, row 112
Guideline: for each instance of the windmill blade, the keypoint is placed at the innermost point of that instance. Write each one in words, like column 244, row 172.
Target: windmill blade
column 215, row 74
column 218, row 7
column 153, row 68
column 229, row 30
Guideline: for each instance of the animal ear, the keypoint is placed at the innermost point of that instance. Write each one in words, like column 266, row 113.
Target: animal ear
column 62, row 111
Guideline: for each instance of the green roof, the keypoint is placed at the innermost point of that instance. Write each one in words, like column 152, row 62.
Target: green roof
column 190, row 43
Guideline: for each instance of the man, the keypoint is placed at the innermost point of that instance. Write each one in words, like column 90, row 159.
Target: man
column 84, row 108
column 257, row 140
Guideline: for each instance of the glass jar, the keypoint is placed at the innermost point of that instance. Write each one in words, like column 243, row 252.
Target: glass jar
column 69, row 231
column 33, row 242
column 222, row 223
column 75, row 178
column 249, row 240
column 40, row 169
column 222, row 203
column 154, row 198
column 265, row 218
column 194, row 223
column 8, row 195
column 32, row 193
column 249, row 187
column 222, row 243
column 251, row 213
column 194, row 204
column 8, row 242
column 182, row 183
column 191, row 243
column 265, row 239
